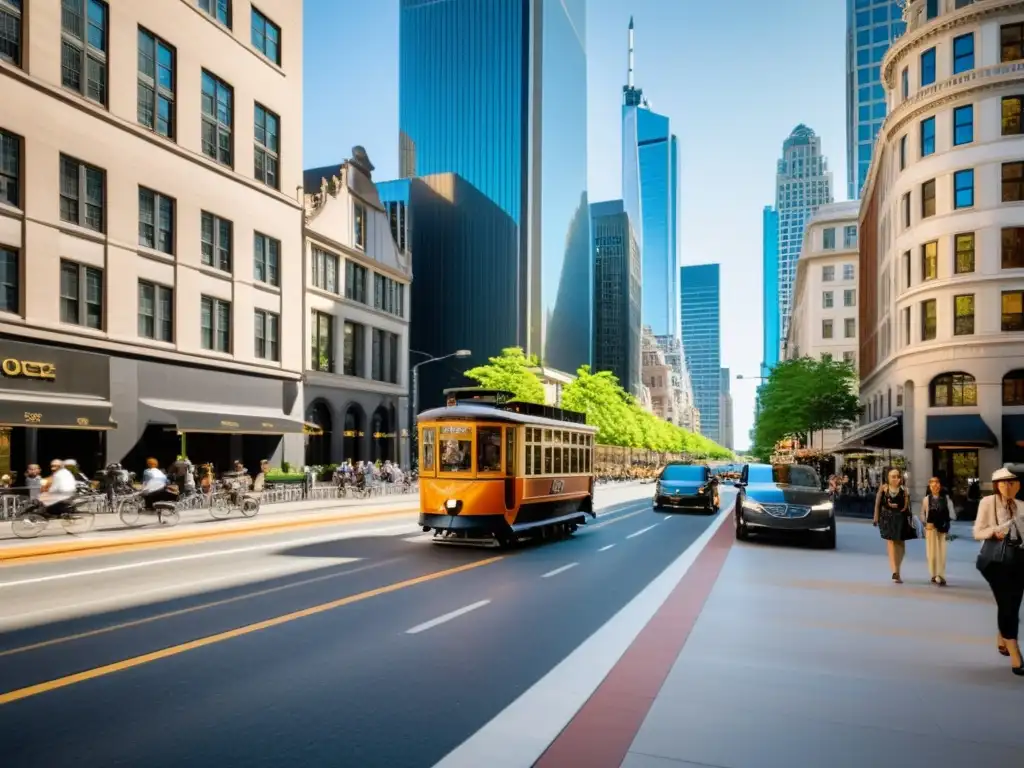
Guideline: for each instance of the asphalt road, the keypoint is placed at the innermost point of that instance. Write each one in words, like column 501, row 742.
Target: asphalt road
column 400, row 650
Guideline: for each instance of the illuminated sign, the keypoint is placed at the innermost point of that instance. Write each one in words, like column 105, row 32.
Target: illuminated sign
column 26, row 369
column 383, row 435
column 353, row 433
column 233, row 424
column 455, row 430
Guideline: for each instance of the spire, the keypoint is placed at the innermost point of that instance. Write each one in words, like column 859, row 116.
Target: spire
column 631, row 95
column 629, row 73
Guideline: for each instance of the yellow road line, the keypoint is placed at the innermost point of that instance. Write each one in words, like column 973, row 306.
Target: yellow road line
column 16, row 556
column 174, row 650
column 192, row 609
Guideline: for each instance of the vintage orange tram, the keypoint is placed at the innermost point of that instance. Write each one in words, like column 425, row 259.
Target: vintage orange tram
column 494, row 470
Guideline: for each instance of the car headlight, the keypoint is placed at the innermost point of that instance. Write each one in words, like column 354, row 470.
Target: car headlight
column 825, row 506
column 753, row 506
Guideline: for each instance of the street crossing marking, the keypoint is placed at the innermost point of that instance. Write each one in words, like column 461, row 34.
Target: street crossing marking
column 447, row 617
column 557, row 571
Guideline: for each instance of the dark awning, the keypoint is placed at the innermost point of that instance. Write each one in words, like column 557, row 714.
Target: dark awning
column 235, row 420
column 882, row 433
column 19, row 409
column 1013, row 436
column 964, row 430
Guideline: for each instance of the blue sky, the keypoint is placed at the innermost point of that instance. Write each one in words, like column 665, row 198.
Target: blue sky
column 735, row 76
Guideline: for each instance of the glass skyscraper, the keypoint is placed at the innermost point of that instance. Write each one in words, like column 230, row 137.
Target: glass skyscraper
column 650, row 188
column 871, row 26
column 496, row 92
column 702, row 344
column 771, row 342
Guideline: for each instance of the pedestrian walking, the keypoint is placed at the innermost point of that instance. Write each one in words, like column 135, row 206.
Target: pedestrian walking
column 894, row 521
column 937, row 512
column 999, row 524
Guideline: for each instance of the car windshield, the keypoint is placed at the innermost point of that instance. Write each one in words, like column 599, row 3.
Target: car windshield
column 795, row 474
column 683, row 473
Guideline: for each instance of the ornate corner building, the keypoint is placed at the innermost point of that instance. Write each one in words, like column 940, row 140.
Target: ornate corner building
column 942, row 246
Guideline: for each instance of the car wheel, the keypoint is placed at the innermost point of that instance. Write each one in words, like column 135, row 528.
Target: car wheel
column 829, row 541
column 742, row 534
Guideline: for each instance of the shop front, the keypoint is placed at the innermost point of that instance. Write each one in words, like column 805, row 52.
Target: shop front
column 54, row 404
column 355, row 426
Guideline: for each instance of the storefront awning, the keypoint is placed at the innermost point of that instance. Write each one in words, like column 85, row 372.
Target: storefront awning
column 963, row 430
column 882, row 433
column 235, row 420
column 20, row 409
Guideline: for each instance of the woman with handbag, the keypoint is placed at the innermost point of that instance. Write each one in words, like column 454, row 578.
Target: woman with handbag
column 894, row 521
column 999, row 524
column 936, row 513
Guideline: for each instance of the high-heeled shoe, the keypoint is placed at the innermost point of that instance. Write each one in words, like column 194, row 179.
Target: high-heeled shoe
column 1003, row 650
column 1018, row 671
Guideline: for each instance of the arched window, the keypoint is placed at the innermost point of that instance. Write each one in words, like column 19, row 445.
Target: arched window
column 953, row 389
column 1013, row 387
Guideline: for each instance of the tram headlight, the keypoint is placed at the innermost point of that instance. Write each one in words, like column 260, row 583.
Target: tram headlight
column 452, row 506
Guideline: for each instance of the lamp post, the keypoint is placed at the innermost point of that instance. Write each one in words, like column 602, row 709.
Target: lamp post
column 460, row 353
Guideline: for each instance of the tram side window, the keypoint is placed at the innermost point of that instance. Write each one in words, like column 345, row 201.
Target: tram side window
column 488, row 449
column 456, row 454
column 588, row 453
column 510, row 450
column 429, row 437
column 559, row 440
column 549, row 450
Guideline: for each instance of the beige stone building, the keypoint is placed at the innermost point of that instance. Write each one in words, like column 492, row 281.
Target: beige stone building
column 151, row 230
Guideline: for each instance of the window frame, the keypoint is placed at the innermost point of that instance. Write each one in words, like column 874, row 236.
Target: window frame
column 958, row 187
column 929, row 261
column 213, row 9
column 267, row 258
column 12, row 180
column 82, row 206
column 927, row 136
column 354, row 270
column 827, row 300
column 1015, row 325
column 827, row 329
column 849, row 327
column 931, row 325
column 1011, row 175
column 84, row 51
column 270, row 174
column 156, row 200
column 1008, row 116
column 16, row 13
column 215, row 325
column 216, row 250
column 967, row 329
column 159, row 321
column 316, row 342
column 213, row 120
column 152, row 83
column 257, row 17
column 928, row 67
column 928, row 202
column 849, row 297
column 319, row 273
column 82, row 303
column 359, row 225
column 1011, row 46
column 959, row 123
column 358, row 347
column 959, row 57
column 952, row 382
column 960, row 252
column 10, row 257
column 263, row 321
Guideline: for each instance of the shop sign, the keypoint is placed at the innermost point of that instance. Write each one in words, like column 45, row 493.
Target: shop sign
column 353, row 433
column 382, row 435
column 27, row 369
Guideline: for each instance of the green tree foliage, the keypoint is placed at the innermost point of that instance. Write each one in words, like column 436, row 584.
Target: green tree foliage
column 802, row 397
column 513, row 372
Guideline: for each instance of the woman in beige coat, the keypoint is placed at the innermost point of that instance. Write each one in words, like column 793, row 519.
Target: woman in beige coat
column 1001, row 517
column 937, row 511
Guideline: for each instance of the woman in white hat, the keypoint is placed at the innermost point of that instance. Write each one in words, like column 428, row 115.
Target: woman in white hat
column 1001, row 517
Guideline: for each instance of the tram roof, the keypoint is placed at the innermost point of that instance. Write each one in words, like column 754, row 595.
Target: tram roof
column 490, row 413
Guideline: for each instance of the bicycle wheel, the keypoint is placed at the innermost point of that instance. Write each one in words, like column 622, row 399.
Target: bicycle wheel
column 78, row 522
column 168, row 514
column 129, row 511
column 219, row 508
column 28, row 525
column 250, row 507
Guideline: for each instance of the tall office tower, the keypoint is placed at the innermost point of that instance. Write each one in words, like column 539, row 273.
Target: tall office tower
column 650, row 189
column 871, row 26
column 771, row 340
column 496, row 92
column 617, row 295
column 725, row 412
column 802, row 183
column 702, row 341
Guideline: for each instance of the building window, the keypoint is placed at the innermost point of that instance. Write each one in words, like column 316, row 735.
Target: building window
column 828, row 274
column 826, row 329
column 963, row 53
column 1012, row 311
column 156, row 312
column 266, row 37
column 10, row 167
column 10, row 31
column 848, row 357
column 156, row 221
column 385, row 356
column 930, row 261
column 929, row 322
column 927, row 137
column 903, row 152
column 928, row 199
column 850, row 297
column 931, row 9
column 963, row 315
column 354, row 349
column 850, row 236
column 355, row 282
column 81, row 295
column 218, row 118
column 359, row 224
column 848, row 271
column 953, row 390
column 267, row 132
column 266, row 335
column 906, row 270
column 1013, row 248
column 928, row 67
column 266, row 259
column 322, row 342
column 217, row 237
column 828, row 239
column 388, row 295
column 963, row 189
column 10, row 282
column 849, row 327
column 215, row 324
column 1013, row 388
column 325, row 270
column 1011, row 121
column 217, row 9
column 85, row 210
column 826, row 299
column 964, row 244
column 905, row 83
column 906, row 209
column 906, row 326
column 963, row 125
column 83, row 48
column 1011, row 42
column 156, row 84
column 1013, row 182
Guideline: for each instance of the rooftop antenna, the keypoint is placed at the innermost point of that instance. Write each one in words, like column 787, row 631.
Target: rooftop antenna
column 629, row 73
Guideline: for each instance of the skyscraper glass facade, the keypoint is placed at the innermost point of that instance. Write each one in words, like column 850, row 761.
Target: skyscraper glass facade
column 871, row 26
column 702, row 345
column 771, row 342
column 497, row 94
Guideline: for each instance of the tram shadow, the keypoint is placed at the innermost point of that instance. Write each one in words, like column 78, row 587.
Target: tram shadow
column 418, row 548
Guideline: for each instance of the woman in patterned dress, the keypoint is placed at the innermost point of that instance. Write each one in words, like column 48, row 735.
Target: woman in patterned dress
column 893, row 519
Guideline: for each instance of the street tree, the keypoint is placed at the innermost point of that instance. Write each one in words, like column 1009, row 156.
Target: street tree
column 602, row 399
column 512, row 371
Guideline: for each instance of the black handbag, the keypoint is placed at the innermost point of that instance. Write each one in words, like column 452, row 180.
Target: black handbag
column 1000, row 553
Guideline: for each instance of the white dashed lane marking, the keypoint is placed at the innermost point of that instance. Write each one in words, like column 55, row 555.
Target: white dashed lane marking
column 606, row 548
column 642, row 530
column 447, row 617
column 557, row 571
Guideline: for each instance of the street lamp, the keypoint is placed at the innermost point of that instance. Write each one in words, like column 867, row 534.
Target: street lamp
column 460, row 353
column 761, row 378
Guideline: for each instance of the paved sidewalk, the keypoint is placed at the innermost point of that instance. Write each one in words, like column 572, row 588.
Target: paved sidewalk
column 805, row 657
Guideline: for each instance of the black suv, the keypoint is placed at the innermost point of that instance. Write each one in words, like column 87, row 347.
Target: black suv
column 784, row 498
column 686, row 486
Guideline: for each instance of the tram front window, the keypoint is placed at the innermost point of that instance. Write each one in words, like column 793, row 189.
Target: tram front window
column 488, row 449
column 456, row 452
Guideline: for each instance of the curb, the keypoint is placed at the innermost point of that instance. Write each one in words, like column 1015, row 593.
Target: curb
column 120, row 543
